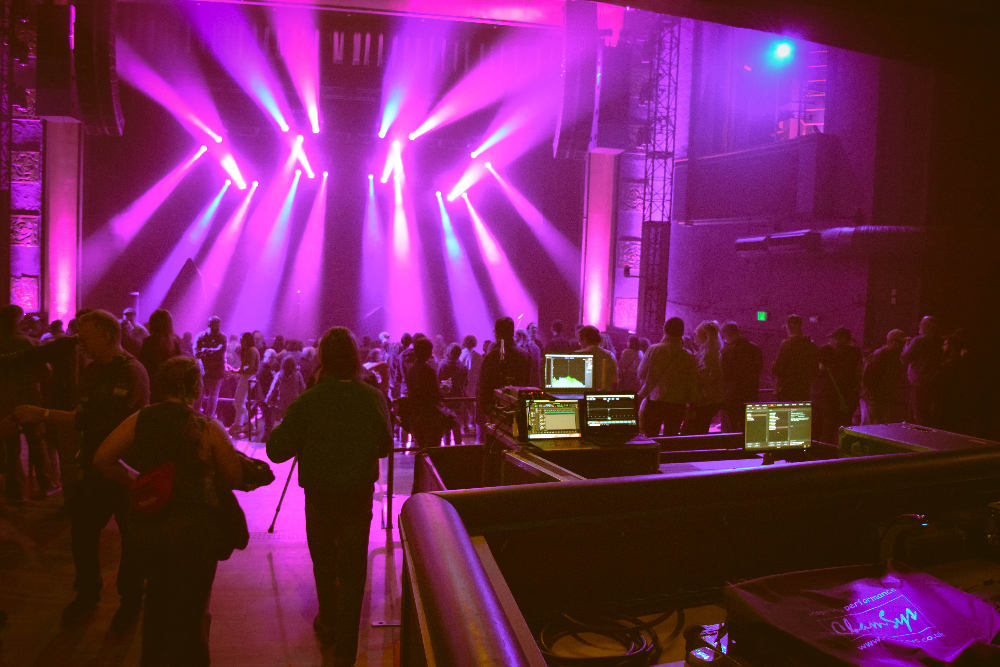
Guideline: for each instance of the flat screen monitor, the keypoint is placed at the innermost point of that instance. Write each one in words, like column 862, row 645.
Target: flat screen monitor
column 553, row 419
column 609, row 411
column 774, row 426
column 569, row 371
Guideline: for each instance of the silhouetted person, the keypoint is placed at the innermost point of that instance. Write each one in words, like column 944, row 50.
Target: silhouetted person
column 504, row 365
column 180, row 545
column 707, row 400
column 557, row 343
column 338, row 429
column 837, row 390
column 669, row 378
column 112, row 387
column 211, row 349
column 956, row 389
column 423, row 397
column 161, row 344
column 133, row 333
column 453, row 373
column 605, row 367
column 473, row 361
column 628, row 366
column 881, row 379
column 397, row 374
column 796, row 364
column 922, row 359
column 742, row 363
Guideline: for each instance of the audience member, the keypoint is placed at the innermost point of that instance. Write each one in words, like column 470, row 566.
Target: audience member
column 881, row 379
column 955, row 389
column 452, row 374
column 285, row 388
column 187, row 344
column 796, row 364
column 707, row 400
column 528, row 345
column 211, row 349
column 161, row 344
column 338, row 429
column 669, row 380
column 605, row 373
column 628, row 366
column 179, row 545
column 265, row 378
column 742, row 363
column 249, row 365
column 423, row 416
column 54, row 331
column 503, row 365
column 113, row 386
column 557, row 343
column 836, row 393
column 922, row 359
column 473, row 361
column 133, row 333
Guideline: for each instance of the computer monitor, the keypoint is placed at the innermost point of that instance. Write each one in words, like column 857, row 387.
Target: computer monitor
column 552, row 419
column 569, row 371
column 774, row 426
column 610, row 416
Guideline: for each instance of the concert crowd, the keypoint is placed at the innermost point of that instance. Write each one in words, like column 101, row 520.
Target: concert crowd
column 131, row 420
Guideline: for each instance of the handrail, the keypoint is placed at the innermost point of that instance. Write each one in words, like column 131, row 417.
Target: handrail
column 466, row 623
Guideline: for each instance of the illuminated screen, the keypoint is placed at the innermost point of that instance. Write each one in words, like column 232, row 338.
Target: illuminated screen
column 553, row 419
column 610, row 410
column 569, row 371
column 778, row 425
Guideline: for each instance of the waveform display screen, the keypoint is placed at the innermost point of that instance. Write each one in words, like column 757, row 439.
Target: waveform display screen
column 553, row 419
column 569, row 371
column 610, row 410
column 778, row 426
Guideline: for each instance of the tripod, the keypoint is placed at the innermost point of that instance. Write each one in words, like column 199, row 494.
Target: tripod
column 283, row 492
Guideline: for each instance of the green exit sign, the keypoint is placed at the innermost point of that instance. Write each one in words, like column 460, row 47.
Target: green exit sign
column 762, row 316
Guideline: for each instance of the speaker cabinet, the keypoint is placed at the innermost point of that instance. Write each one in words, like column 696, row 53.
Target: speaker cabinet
column 576, row 124
column 96, row 73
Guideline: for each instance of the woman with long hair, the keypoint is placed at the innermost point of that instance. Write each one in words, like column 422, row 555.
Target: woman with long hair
column 708, row 399
column 181, row 542
column 249, row 365
column 161, row 344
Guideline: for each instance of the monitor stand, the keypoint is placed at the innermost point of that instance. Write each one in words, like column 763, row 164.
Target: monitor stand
column 769, row 458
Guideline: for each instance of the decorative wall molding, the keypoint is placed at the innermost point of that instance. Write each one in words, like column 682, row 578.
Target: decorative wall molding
column 25, row 230
column 24, row 291
column 26, row 166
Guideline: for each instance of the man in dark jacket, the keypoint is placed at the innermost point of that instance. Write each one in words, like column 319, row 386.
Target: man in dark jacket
column 881, row 379
column 338, row 429
column 742, row 363
column 837, row 391
column 503, row 365
column 922, row 358
column 796, row 364
column 558, row 343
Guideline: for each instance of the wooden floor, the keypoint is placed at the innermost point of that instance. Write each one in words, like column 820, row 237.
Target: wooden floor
column 263, row 601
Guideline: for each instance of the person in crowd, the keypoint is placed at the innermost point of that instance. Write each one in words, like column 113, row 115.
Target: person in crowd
column 179, row 545
column 605, row 373
column 473, row 362
column 269, row 367
column 307, row 365
column 112, row 387
column 161, row 344
column 397, row 376
column 608, row 345
column 956, row 388
column 248, row 367
column 557, row 342
column 707, row 400
column 669, row 380
column 452, row 373
column 376, row 370
column 258, row 342
column 503, row 365
column 796, row 364
column 211, row 349
column 836, row 393
column 922, row 358
column 440, row 348
column 628, row 366
column 487, row 344
column 187, row 344
column 21, row 385
column 279, row 344
column 528, row 345
column 644, row 345
column 423, row 414
column 133, row 333
column 338, row 429
column 285, row 387
column 742, row 363
column 54, row 331
column 233, row 352
column 880, row 380
column 532, row 331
